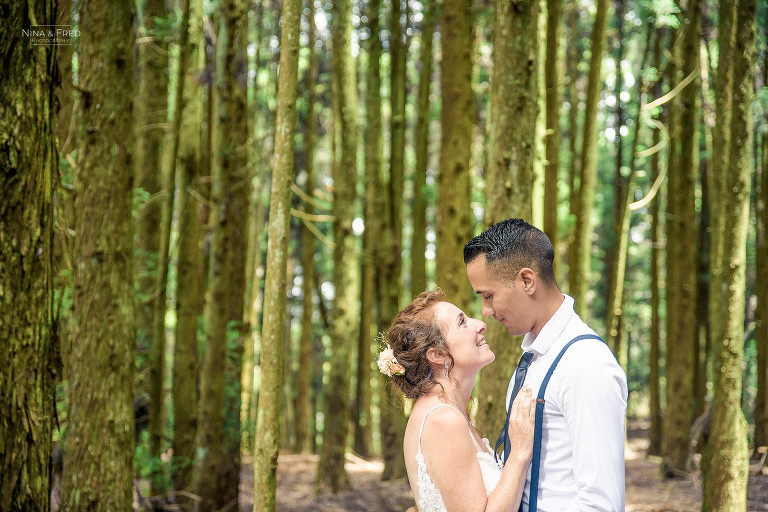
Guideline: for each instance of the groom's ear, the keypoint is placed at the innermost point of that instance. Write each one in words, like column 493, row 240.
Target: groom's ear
column 529, row 280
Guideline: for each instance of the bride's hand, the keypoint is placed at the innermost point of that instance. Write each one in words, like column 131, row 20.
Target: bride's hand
column 521, row 423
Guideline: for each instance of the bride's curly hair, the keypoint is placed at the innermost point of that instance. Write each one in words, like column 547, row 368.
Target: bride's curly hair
column 415, row 330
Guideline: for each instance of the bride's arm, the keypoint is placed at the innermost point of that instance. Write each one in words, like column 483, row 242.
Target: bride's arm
column 452, row 464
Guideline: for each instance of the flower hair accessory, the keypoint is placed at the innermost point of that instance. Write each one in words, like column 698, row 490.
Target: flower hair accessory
column 387, row 362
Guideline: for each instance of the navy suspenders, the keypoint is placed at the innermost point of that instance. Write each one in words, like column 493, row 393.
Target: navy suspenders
column 533, row 493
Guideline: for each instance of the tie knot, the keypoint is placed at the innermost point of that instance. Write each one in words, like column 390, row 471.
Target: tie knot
column 525, row 360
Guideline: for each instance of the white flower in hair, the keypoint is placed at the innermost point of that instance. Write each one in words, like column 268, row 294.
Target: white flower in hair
column 388, row 364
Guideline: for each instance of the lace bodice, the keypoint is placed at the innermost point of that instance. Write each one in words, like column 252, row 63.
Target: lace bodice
column 429, row 496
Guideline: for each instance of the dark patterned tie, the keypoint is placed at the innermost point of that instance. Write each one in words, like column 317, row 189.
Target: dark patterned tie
column 522, row 369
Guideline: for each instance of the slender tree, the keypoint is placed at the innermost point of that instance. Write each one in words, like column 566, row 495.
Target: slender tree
column 154, row 226
column 29, row 174
column 211, row 478
column 331, row 474
column 553, row 96
column 761, row 400
column 418, row 245
column 578, row 274
column 454, row 215
column 100, row 365
column 65, row 92
column 729, row 470
column 272, row 359
column 512, row 129
column 189, row 266
column 304, row 371
column 573, row 52
column 654, row 359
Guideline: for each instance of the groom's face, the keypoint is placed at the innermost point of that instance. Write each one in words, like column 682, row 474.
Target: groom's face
column 504, row 301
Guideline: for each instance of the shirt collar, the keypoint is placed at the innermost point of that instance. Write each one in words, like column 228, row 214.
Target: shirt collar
column 551, row 330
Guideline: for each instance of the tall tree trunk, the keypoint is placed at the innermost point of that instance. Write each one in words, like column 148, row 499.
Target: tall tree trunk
column 620, row 186
column 331, row 474
column 304, row 372
column 681, row 257
column 761, row 335
column 189, row 270
column 654, row 447
column 418, row 245
column 371, row 237
column 729, row 471
column 553, row 72
column 30, row 172
column 211, row 476
column 154, row 223
column 578, row 275
column 720, row 160
column 237, row 205
column 392, row 417
column 101, row 366
column 574, row 55
column 512, row 122
column 454, row 214
column 272, row 358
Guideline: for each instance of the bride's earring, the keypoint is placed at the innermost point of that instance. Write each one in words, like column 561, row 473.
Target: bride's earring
column 447, row 369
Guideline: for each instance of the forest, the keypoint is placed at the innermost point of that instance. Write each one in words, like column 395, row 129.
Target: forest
column 210, row 208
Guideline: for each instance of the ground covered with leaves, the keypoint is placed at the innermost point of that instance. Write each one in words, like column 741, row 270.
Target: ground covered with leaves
column 646, row 490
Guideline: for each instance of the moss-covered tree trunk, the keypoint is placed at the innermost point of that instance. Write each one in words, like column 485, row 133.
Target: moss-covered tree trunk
column 304, row 371
column 211, row 478
column 726, row 482
column 761, row 280
column 512, row 122
column 654, row 357
column 28, row 175
column 189, row 269
column 237, row 205
column 331, row 474
column 418, row 245
column 681, row 258
column 455, row 221
column 272, row 358
column 154, row 220
column 553, row 96
column 98, row 462
column 578, row 274
column 573, row 56
column 392, row 417
column 615, row 304
column 361, row 414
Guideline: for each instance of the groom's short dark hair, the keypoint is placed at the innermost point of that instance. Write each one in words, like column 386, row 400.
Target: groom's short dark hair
column 511, row 245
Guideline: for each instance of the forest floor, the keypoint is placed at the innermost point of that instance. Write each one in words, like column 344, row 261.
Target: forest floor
column 646, row 491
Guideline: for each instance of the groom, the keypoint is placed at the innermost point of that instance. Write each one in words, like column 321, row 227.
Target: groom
column 581, row 463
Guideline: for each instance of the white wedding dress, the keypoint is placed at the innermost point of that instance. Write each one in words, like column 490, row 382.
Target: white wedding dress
column 429, row 497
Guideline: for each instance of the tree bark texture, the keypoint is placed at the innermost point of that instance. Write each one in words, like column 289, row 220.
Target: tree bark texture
column 454, row 215
column 28, row 176
column 153, row 220
column 512, row 122
column 304, row 372
column 98, row 461
column 331, row 474
column 272, row 358
column 578, row 275
column 189, row 270
column 553, row 74
column 211, row 478
column 418, row 246
column 761, row 280
column 729, row 471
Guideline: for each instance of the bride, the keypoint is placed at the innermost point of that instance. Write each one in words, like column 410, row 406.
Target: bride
column 433, row 354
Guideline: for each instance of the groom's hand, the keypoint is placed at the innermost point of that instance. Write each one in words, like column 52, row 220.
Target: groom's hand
column 521, row 422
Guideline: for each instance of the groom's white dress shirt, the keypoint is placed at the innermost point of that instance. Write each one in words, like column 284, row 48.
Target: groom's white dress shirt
column 582, row 446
